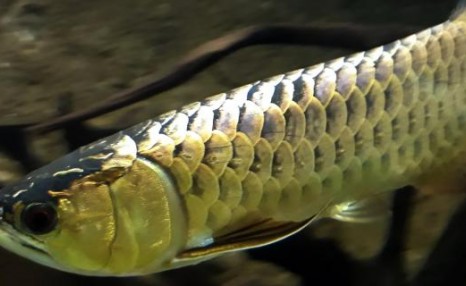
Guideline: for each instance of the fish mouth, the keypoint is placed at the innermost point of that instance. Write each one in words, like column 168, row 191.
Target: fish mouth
column 24, row 245
column 13, row 239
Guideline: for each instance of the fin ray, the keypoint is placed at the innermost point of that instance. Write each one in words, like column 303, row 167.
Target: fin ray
column 260, row 234
column 365, row 210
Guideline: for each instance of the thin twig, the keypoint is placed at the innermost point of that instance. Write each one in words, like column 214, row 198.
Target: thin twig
column 350, row 36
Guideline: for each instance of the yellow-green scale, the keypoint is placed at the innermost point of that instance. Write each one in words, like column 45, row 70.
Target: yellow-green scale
column 286, row 147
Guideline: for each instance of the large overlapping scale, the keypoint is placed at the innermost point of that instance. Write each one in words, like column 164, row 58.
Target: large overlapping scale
column 282, row 147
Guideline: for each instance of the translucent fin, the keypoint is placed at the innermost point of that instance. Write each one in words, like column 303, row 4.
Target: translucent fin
column 451, row 180
column 260, row 234
column 448, row 178
column 376, row 207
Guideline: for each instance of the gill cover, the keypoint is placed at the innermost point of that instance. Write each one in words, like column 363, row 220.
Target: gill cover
column 116, row 214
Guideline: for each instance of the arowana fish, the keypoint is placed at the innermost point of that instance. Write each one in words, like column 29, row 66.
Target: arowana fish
column 250, row 166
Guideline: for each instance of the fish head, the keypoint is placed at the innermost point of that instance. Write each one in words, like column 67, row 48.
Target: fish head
column 98, row 211
column 54, row 219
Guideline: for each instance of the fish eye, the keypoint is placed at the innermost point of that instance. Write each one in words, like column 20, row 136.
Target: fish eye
column 39, row 218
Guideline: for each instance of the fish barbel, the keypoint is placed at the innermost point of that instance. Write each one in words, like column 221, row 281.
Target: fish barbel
column 250, row 166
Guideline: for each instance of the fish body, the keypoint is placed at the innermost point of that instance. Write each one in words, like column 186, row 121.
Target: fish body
column 250, row 166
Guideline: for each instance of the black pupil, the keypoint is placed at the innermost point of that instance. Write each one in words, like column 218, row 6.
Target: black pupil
column 39, row 218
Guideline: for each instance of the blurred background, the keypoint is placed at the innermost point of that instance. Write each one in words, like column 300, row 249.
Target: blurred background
column 89, row 50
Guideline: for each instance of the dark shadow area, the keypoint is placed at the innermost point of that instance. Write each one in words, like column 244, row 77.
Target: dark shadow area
column 322, row 262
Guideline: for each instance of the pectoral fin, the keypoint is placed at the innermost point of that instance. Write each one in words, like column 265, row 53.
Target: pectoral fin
column 259, row 234
column 447, row 178
column 372, row 208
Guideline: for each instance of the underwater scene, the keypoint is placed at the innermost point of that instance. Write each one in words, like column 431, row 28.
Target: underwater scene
column 154, row 142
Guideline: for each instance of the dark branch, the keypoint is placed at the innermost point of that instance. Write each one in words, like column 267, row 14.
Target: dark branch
column 354, row 37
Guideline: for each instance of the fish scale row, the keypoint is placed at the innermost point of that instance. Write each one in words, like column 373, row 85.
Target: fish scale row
column 281, row 147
